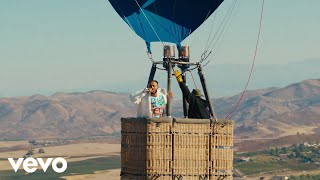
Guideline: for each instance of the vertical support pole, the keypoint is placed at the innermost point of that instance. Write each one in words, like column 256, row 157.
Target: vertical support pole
column 184, row 101
column 152, row 72
column 169, row 69
column 205, row 90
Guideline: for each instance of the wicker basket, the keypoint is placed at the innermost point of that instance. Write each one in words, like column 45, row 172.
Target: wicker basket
column 165, row 148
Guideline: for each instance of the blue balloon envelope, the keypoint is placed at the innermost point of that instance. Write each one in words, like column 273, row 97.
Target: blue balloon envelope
column 164, row 20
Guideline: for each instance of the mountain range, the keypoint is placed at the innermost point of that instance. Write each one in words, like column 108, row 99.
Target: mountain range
column 262, row 113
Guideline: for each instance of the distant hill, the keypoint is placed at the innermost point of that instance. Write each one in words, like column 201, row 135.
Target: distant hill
column 276, row 111
column 72, row 115
column 268, row 112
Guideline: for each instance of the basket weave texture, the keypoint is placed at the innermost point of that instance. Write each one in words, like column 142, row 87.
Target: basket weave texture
column 166, row 149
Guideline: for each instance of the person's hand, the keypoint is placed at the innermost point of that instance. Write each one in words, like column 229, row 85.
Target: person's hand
column 170, row 95
column 146, row 90
column 152, row 90
column 178, row 75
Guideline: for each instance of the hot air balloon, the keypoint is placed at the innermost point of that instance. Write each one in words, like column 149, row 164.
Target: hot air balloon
column 165, row 146
column 160, row 149
column 169, row 21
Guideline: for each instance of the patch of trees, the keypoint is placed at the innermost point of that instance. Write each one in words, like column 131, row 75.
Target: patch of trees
column 305, row 177
column 301, row 151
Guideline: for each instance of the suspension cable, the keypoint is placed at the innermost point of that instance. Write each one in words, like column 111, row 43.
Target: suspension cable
column 218, row 32
column 213, row 21
column 194, row 82
column 196, row 37
column 149, row 22
column 219, row 37
column 225, row 24
column 150, row 57
column 253, row 62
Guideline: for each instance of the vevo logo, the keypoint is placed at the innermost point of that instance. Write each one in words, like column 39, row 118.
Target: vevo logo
column 30, row 164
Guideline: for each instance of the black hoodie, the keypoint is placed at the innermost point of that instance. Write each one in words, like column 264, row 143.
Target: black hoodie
column 198, row 107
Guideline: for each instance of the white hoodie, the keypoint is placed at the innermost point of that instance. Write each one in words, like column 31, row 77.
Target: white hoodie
column 142, row 99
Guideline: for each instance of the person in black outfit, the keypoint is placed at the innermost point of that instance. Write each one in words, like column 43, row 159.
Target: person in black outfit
column 198, row 107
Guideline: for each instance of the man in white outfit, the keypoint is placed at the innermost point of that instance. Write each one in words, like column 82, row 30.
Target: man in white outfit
column 151, row 101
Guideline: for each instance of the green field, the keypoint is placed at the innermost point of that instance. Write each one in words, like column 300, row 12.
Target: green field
column 265, row 163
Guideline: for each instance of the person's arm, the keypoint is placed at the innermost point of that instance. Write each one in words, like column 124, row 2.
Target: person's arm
column 165, row 94
column 137, row 96
column 185, row 91
column 184, row 88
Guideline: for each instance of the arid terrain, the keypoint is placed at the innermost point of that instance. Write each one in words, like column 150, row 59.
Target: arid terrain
column 85, row 128
column 263, row 113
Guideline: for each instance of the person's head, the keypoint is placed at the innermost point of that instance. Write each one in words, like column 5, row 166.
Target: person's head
column 197, row 92
column 153, row 87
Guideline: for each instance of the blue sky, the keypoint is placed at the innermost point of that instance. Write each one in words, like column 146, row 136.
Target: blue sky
column 81, row 45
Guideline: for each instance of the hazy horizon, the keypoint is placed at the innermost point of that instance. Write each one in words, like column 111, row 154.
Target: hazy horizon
column 69, row 46
column 264, row 76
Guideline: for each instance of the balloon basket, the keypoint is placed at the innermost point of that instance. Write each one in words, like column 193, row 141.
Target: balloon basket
column 176, row 148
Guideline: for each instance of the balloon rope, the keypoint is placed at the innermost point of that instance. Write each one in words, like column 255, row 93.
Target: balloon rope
column 219, row 31
column 213, row 21
column 149, row 22
column 254, row 59
column 222, row 25
column 194, row 82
